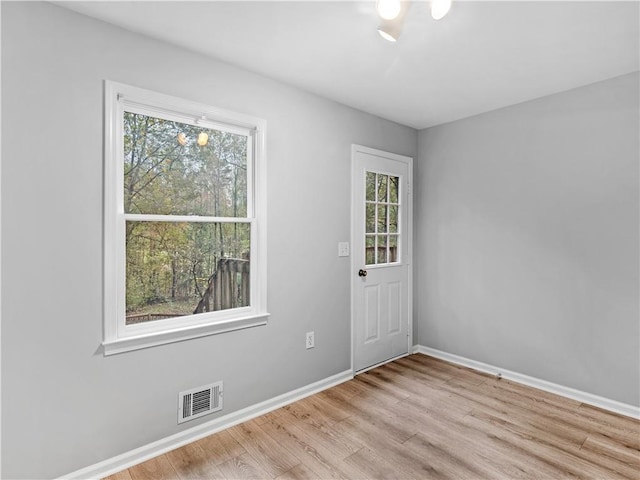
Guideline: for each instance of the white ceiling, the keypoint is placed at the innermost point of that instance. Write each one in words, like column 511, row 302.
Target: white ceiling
column 481, row 56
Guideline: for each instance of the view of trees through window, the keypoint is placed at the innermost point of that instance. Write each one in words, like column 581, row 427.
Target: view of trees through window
column 382, row 210
column 175, row 266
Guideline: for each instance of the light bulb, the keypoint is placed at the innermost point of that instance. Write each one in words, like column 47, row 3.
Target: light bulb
column 203, row 139
column 439, row 8
column 386, row 35
column 388, row 9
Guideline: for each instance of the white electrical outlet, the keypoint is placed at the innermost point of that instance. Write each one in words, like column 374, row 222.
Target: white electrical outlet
column 311, row 341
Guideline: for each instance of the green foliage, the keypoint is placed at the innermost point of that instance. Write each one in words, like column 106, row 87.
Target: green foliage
column 166, row 172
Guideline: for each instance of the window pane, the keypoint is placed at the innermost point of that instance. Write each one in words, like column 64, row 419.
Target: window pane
column 393, row 189
column 371, row 187
column 175, row 269
column 382, row 249
column 393, row 248
column 382, row 187
column 382, row 218
column 393, row 218
column 371, row 218
column 370, row 254
column 172, row 168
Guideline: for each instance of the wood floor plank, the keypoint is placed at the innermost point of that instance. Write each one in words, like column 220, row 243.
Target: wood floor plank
column 552, row 421
column 511, row 395
column 380, row 465
column 311, row 411
column 437, row 371
column 482, row 448
column 561, row 456
column 312, row 453
column 272, row 458
column 612, row 448
column 243, row 467
column 364, row 405
column 379, row 443
column 193, row 462
column 347, row 389
column 374, row 391
column 437, row 379
column 299, row 472
column 448, row 459
column 269, row 416
column 615, row 426
column 404, row 379
column 375, row 379
column 556, row 419
column 417, row 417
column 375, row 431
column 221, row 447
column 619, row 458
column 158, row 468
column 447, row 406
column 307, row 454
column 327, row 438
column 553, row 430
column 536, row 397
column 324, row 408
column 123, row 475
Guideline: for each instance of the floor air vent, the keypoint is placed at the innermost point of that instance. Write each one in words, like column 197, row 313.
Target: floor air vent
column 199, row 401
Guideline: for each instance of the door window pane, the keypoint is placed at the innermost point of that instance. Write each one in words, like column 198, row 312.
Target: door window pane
column 382, row 212
column 371, row 186
column 393, row 218
column 393, row 189
column 382, row 249
column 382, row 188
column 393, row 248
column 370, row 250
column 371, row 218
column 382, row 218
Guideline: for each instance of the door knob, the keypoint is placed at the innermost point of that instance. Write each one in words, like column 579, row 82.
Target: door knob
column 362, row 273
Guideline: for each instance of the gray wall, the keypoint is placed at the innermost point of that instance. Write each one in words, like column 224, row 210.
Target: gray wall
column 526, row 241
column 64, row 405
column 527, row 238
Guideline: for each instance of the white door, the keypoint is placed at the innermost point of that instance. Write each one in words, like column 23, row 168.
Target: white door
column 381, row 256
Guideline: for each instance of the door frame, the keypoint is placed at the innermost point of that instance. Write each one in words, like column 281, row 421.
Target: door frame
column 408, row 256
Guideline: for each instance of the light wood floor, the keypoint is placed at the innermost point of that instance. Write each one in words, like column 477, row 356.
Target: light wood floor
column 417, row 417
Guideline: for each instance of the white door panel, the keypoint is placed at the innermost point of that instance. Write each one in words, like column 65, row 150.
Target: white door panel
column 381, row 253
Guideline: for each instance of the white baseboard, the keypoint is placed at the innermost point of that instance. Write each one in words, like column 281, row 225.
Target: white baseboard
column 146, row 452
column 584, row 397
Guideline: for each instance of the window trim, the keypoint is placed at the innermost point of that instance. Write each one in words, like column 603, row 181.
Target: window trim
column 119, row 337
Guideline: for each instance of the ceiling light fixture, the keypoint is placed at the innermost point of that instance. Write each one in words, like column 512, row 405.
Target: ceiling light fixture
column 390, row 31
column 388, row 9
column 439, row 8
column 392, row 13
column 203, row 139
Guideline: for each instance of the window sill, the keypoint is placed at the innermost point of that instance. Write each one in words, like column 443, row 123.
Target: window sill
column 127, row 344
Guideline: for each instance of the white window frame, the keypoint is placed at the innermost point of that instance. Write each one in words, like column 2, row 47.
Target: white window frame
column 119, row 337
